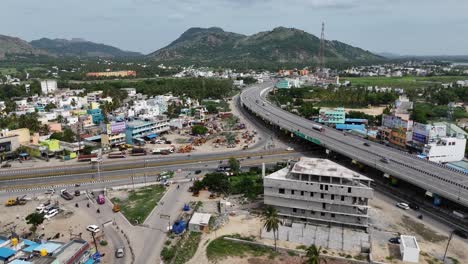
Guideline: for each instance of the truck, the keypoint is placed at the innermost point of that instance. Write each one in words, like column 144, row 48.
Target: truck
column 16, row 201
column 87, row 157
column 116, row 155
column 66, row 195
column 163, row 150
column 317, row 127
column 138, row 152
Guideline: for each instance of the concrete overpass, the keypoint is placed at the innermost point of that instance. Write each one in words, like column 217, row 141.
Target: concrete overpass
column 436, row 178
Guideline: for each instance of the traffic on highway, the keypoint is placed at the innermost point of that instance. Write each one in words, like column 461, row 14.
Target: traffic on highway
column 437, row 179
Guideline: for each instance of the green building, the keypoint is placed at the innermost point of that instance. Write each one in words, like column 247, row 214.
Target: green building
column 332, row 116
column 283, row 84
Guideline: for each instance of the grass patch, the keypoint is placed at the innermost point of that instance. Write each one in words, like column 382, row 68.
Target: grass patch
column 140, row 203
column 422, row 230
column 221, row 248
column 403, row 82
column 186, row 247
column 454, row 260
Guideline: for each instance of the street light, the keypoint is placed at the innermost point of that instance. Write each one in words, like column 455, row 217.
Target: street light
column 94, row 240
column 448, row 243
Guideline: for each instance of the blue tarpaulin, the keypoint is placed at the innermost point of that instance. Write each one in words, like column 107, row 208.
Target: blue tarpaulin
column 6, row 253
column 150, row 136
column 179, row 227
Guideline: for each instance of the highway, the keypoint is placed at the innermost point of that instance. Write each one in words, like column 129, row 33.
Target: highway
column 435, row 178
column 137, row 175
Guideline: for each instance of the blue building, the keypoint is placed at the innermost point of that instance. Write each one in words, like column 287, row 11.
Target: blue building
column 350, row 127
column 283, row 84
column 96, row 114
column 136, row 130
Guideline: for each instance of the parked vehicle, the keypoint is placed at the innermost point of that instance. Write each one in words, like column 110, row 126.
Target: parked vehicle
column 16, row 201
column 87, row 157
column 394, row 240
column 414, row 206
column 138, row 152
column 66, row 195
column 403, row 206
column 116, row 208
column 51, row 213
column 197, row 171
column 50, row 191
column 116, row 155
column 101, row 199
column 93, row 228
column 77, row 193
column 289, row 149
column 119, row 253
column 366, row 144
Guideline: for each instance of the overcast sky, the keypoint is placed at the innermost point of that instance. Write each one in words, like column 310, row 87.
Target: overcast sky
column 418, row 27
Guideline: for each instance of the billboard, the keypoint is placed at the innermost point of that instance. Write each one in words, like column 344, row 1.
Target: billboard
column 116, row 128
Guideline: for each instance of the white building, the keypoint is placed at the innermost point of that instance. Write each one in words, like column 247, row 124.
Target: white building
column 409, row 249
column 199, row 222
column 447, row 149
column 48, row 86
column 319, row 191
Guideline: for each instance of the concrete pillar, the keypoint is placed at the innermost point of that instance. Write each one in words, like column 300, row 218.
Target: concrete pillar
column 263, row 170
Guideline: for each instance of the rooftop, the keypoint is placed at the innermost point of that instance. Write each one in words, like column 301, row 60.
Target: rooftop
column 325, row 167
column 200, row 219
column 409, row 242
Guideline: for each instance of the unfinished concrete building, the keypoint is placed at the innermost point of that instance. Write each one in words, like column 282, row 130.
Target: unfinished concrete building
column 319, row 191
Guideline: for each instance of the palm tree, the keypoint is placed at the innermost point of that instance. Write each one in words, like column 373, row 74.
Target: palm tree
column 271, row 221
column 34, row 219
column 313, row 254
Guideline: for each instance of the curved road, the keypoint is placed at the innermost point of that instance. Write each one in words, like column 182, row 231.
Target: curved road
column 430, row 176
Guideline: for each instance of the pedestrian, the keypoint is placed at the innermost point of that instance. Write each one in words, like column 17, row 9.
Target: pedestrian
column 98, row 211
column 87, row 205
column 178, row 186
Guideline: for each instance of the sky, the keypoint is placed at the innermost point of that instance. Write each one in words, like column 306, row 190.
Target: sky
column 405, row 27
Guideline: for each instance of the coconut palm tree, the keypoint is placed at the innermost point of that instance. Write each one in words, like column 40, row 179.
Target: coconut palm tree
column 271, row 221
column 313, row 254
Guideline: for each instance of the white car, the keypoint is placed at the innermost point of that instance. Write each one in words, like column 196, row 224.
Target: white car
column 403, row 206
column 289, row 149
column 93, row 228
column 51, row 213
column 50, row 191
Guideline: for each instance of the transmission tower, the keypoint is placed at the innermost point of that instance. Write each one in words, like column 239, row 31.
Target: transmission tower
column 322, row 50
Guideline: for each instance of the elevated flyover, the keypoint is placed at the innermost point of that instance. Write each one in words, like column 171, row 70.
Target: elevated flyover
column 436, row 178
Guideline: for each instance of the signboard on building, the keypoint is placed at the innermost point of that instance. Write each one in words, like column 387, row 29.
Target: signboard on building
column 396, row 122
column 116, row 128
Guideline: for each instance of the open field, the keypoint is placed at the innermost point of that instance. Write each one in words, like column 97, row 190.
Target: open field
column 402, row 82
column 139, row 203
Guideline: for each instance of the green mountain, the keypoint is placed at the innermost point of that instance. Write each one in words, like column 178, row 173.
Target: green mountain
column 80, row 48
column 278, row 46
column 11, row 46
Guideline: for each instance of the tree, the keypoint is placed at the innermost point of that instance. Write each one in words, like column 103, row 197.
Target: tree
column 234, row 165
column 199, row 130
column 217, row 182
column 34, row 219
column 212, row 109
column 313, row 254
column 271, row 221
column 49, row 107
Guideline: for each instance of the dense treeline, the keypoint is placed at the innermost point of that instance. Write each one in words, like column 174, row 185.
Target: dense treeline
column 425, row 112
column 198, row 88
column 343, row 96
column 29, row 120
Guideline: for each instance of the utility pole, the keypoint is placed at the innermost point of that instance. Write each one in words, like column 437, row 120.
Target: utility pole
column 322, row 51
column 448, row 243
column 95, row 242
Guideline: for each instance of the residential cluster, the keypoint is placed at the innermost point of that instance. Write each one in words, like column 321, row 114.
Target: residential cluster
column 140, row 120
column 441, row 142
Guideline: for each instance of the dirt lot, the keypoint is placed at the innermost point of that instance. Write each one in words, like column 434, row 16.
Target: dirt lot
column 389, row 221
column 69, row 223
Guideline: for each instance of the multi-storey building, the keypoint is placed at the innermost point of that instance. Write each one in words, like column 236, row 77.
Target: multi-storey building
column 136, row 130
column 319, row 191
column 332, row 116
